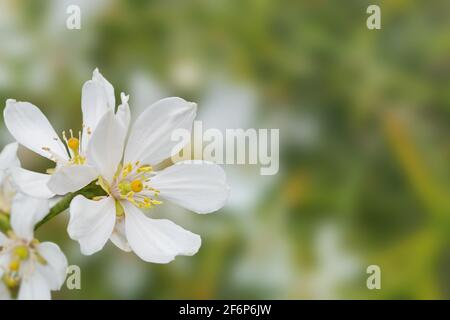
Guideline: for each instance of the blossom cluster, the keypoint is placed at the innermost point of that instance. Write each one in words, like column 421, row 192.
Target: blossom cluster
column 123, row 163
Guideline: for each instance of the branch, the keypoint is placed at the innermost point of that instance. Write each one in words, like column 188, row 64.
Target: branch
column 90, row 191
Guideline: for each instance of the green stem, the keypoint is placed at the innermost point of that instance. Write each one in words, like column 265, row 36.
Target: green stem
column 90, row 191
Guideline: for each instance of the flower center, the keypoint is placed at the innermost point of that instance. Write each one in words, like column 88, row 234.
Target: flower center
column 21, row 252
column 74, row 150
column 131, row 183
column 74, row 146
column 21, row 262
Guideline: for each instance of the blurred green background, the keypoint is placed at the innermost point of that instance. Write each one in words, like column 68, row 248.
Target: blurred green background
column 364, row 137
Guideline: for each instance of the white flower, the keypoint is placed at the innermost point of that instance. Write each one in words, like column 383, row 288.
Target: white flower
column 8, row 161
column 31, row 128
column 35, row 268
column 127, row 175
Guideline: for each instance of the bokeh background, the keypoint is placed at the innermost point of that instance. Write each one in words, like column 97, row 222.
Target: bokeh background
column 364, row 137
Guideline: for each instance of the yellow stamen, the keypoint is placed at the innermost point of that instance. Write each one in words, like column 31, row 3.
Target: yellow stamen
column 126, row 170
column 137, row 186
column 144, row 169
column 131, row 184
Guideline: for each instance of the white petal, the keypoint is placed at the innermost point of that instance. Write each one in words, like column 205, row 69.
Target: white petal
column 25, row 213
column 4, row 292
column 106, row 146
column 3, row 239
column 97, row 97
column 32, row 183
column 157, row 240
column 30, row 127
column 55, row 270
column 150, row 137
column 71, row 178
column 107, row 87
column 118, row 236
column 34, row 287
column 5, row 260
column 3, row 176
column 199, row 186
column 123, row 113
column 8, row 156
column 91, row 222
column 7, row 191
